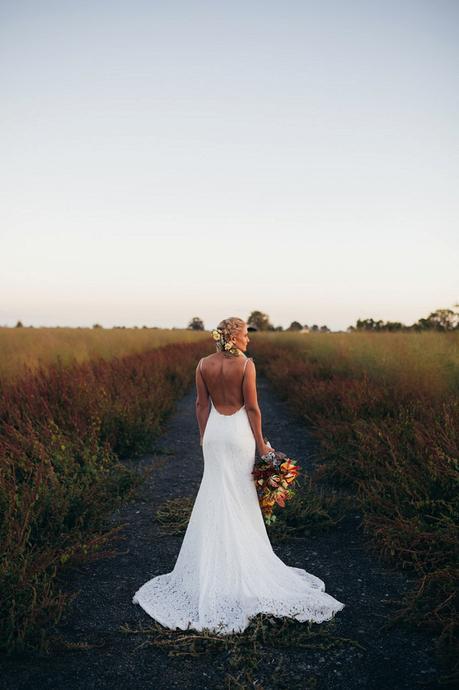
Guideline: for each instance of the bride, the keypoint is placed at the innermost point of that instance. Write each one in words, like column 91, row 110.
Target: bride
column 226, row 571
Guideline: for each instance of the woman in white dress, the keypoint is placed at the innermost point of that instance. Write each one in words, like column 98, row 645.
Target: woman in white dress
column 226, row 571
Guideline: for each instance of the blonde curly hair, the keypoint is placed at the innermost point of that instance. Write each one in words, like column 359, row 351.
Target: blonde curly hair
column 225, row 332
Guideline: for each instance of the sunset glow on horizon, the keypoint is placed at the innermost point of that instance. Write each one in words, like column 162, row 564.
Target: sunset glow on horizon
column 161, row 162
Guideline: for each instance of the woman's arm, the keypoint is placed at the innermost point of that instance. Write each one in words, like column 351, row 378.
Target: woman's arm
column 202, row 403
column 249, row 389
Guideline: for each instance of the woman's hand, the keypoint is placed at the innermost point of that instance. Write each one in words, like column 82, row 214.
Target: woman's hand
column 265, row 449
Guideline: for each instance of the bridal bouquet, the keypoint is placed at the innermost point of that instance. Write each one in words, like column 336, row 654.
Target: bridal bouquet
column 274, row 474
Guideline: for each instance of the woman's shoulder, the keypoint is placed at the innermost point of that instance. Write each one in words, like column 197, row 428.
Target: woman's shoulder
column 218, row 355
column 208, row 357
column 214, row 355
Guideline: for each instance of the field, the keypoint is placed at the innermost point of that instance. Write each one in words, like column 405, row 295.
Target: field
column 384, row 409
column 27, row 349
column 63, row 430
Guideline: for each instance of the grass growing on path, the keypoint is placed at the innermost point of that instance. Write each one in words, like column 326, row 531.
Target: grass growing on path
column 256, row 656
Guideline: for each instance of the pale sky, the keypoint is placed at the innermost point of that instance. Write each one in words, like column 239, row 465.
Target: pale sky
column 160, row 161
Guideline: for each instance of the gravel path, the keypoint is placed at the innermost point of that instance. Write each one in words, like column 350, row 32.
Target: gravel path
column 400, row 657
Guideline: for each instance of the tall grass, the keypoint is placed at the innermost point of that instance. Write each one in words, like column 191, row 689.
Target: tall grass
column 385, row 409
column 426, row 362
column 62, row 433
column 24, row 350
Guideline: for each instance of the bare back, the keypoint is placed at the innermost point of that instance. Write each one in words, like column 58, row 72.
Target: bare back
column 224, row 377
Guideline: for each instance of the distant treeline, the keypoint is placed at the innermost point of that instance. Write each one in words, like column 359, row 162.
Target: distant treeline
column 438, row 320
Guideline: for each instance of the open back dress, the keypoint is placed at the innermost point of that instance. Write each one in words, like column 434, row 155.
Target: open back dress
column 226, row 571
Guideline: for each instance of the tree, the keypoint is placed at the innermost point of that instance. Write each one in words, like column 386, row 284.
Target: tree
column 295, row 326
column 19, row 324
column 97, row 325
column 196, row 324
column 439, row 320
column 368, row 325
column 394, row 326
column 260, row 321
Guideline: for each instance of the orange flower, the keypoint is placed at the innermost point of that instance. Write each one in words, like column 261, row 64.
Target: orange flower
column 288, row 466
column 280, row 500
column 273, row 484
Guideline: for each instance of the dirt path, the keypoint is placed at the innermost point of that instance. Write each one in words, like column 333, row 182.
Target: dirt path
column 388, row 659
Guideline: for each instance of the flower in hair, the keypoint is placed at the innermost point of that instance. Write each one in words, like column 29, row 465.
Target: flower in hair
column 222, row 344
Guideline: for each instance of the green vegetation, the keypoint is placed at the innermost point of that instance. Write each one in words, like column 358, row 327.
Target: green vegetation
column 24, row 350
column 63, row 432
column 385, row 410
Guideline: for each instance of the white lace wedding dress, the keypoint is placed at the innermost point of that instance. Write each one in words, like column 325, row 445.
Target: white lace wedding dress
column 226, row 571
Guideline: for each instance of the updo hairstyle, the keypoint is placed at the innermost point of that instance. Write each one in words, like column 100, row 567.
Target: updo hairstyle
column 227, row 329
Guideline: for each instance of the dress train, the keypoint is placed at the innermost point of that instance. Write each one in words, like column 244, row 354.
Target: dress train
column 226, row 571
